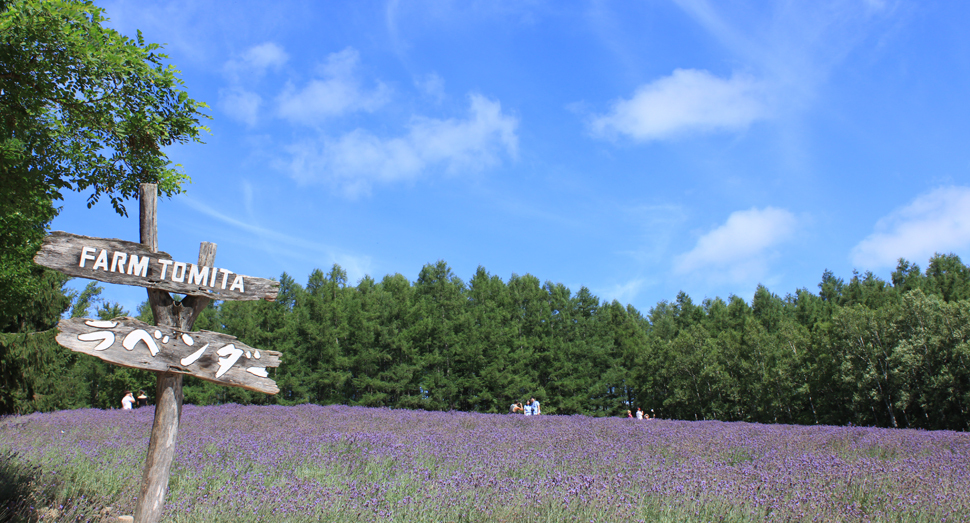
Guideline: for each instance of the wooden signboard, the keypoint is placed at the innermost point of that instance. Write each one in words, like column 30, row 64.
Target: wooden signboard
column 170, row 347
column 211, row 356
column 129, row 263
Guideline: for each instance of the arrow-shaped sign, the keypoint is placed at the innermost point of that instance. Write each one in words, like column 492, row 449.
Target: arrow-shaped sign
column 211, row 356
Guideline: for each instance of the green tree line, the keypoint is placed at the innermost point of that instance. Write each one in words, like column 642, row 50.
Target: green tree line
column 863, row 351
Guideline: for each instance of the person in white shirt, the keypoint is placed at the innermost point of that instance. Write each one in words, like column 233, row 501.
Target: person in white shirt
column 127, row 401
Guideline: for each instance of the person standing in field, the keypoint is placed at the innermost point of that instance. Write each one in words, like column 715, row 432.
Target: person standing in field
column 127, row 401
column 640, row 413
column 535, row 407
column 515, row 407
column 142, row 399
column 528, row 408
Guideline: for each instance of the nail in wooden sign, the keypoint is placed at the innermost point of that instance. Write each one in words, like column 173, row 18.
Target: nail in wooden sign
column 129, row 263
column 211, row 356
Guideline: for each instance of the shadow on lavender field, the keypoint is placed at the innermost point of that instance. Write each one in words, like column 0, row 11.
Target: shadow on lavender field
column 336, row 463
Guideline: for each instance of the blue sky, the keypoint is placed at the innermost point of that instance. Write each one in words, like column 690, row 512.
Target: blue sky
column 638, row 148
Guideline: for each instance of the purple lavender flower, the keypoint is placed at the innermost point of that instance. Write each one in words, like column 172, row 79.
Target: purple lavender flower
column 337, row 463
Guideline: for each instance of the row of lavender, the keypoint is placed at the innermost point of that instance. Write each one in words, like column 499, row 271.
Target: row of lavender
column 310, row 463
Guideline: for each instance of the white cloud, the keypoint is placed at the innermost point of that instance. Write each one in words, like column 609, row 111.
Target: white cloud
column 266, row 56
column 358, row 159
column 431, row 85
column 255, row 61
column 741, row 248
column 240, row 104
column 793, row 47
column 624, row 292
column 338, row 92
column 938, row 221
column 686, row 101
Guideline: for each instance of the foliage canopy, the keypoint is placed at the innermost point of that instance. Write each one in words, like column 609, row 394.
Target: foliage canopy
column 82, row 108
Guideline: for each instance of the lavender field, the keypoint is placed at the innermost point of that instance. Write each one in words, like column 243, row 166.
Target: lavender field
column 312, row 463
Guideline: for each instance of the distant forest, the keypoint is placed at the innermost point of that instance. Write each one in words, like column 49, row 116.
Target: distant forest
column 863, row 351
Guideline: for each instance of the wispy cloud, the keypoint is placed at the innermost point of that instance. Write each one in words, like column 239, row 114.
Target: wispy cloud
column 687, row 101
column 876, row 5
column 356, row 160
column 337, row 92
column 432, row 86
column 783, row 55
column 240, row 105
column 403, row 20
column 740, row 249
column 792, row 46
column 276, row 243
column 184, row 26
column 255, row 61
column 624, row 292
column 938, row 221
column 238, row 100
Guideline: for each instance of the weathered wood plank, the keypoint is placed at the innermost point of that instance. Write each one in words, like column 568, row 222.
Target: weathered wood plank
column 212, row 356
column 129, row 263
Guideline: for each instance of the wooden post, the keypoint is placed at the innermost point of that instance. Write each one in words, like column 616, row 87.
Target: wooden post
column 114, row 340
column 168, row 392
column 169, row 355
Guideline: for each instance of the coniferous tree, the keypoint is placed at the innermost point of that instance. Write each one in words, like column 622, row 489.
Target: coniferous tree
column 947, row 277
column 491, row 334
